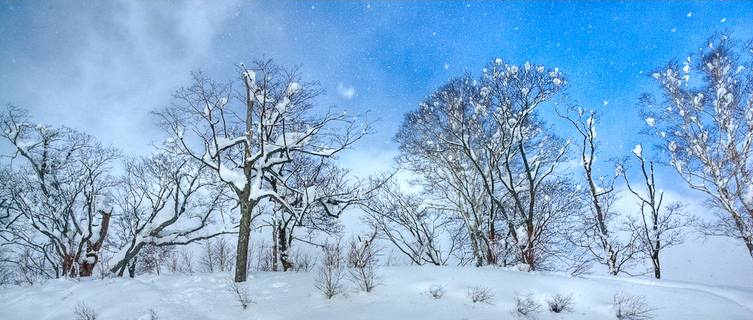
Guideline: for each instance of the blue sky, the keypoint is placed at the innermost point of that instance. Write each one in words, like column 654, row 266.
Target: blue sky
column 102, row 66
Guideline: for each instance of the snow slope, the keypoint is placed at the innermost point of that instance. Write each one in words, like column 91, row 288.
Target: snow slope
column 402, row 295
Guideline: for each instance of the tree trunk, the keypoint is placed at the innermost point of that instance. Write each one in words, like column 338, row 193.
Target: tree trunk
column 657, row 266
column 491, row 257
column 284, row 246
column 120, row 266
column 275, row 246
column 244, row 233
column 132, row 268
column 92, row 249
column 68, row 265
column 476, row 250
column 749, row 244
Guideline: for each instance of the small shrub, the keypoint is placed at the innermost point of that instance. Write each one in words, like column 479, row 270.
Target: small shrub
column 185, row 261
column 481, row 295
column 153, row 315
column 216, row 256
column 84, row 312
column 526, row 306
column 560, row 303
column 241, row 294
column 265, row 258
column 362, row 260
column 302, row 261
column 631, row 307
column 436, row 291
column 330, row 275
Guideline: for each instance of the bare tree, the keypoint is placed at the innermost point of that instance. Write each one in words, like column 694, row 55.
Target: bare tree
column 245, row 143
column 363, row 257
column 597, row 228
column 317, row 193
column 408, row 222
column 705, row 123
column 59, row 185
column 216, row 256
column 165, row 200
column 330, row 273
column 659, row 226
column 481, row 146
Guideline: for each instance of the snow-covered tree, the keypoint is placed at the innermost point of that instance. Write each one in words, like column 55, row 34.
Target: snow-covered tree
column 597, row 228
column 659, row 225
column 318, row 192
column 162, row 201
column 481, row 144
column 705, row 122
column 245, row 140
column 58, row 190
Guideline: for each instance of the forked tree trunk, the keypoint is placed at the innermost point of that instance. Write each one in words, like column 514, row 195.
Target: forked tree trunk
column 92, row 249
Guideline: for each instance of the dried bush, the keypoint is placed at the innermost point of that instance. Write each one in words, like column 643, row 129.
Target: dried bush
column 181, row 262
column 153, row 315
column 631, row 307
column 526, row 306
column 217, row 256
column 151, row 258
column 102, row 269
column 241, row 294
column 329, row 277
column 84, row 312
column 436, row 291
column 560, row 303
column 362, row 260
column 302, row 261
column 265, row 258
column 481, row 295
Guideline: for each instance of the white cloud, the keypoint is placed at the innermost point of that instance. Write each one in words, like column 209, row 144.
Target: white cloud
column 345, row 91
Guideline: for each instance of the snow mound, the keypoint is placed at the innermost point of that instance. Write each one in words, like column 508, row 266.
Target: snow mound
column 403, row 294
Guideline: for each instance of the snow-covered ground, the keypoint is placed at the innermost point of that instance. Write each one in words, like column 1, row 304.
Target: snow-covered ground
column 402, row 295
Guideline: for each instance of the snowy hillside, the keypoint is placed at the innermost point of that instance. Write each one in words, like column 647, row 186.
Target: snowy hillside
column 402, row 295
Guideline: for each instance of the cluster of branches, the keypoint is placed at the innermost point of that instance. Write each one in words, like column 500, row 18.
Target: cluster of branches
column 264, row 150
column 705, row 124
column 487, row 164
column 493, row 186
column 269, row 147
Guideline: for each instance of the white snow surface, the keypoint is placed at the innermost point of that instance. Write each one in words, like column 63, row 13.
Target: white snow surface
column 401, row 295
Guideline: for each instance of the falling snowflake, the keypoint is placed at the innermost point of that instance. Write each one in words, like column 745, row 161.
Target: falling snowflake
column 638, row 150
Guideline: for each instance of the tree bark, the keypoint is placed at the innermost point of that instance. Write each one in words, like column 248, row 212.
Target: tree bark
column 92, row 249
column 275, row 245
column 244, row 234
column 284, row 246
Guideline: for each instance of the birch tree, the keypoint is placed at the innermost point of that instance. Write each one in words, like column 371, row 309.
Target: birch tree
column 705, row 123
column 598, row 227
column 659, row 225
column 484, row 140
